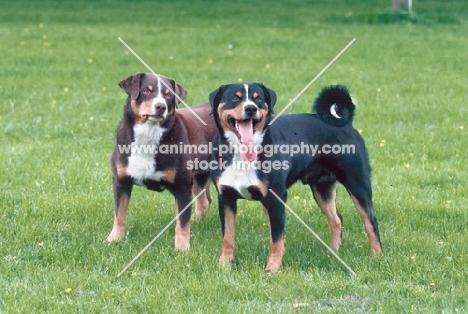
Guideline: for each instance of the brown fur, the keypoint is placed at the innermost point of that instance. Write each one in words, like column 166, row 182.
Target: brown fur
column 181, row 127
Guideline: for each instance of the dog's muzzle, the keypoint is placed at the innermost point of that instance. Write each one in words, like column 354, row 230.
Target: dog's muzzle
column 250, row 112
column 160, row 109
column 159, row 112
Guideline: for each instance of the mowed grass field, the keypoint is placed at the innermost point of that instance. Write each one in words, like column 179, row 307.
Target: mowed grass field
column 60, row 104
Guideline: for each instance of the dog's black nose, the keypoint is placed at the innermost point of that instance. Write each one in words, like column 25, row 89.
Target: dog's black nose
column 250, row 110
column 160, row 107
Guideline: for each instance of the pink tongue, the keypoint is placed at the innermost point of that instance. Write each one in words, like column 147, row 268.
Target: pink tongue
column 246, row 132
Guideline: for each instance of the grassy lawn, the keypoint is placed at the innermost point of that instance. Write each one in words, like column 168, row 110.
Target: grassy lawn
column 60, row 64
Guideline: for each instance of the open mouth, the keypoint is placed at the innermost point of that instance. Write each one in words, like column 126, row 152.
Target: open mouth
column 154, row 117
column 244, row 130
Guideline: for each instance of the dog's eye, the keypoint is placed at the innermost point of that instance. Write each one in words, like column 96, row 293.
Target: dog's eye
column 258, row 100
column 167, row 94
column 235, row 98
column 146, row 91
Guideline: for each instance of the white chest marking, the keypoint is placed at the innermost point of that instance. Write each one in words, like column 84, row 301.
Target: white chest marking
column 142, row 163
column 241, row 174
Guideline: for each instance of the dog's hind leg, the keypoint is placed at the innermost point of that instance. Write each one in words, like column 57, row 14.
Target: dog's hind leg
column 201, row 181
column 359, row 187
column 365, row 209
column 122, row 193
column 325, row 196
column 275, row 211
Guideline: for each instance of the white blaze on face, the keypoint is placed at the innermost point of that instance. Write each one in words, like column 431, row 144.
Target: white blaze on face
column 247, row 100
column 246, row 131
column 159, row 99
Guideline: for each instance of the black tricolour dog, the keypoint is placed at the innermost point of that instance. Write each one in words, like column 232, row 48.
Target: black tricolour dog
column 150, row 121
column 255, row 157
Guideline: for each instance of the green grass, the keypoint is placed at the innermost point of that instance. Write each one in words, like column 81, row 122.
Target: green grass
column 61, row 62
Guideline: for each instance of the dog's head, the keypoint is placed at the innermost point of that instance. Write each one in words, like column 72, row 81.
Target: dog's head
column 151, row 98
column 242, row 110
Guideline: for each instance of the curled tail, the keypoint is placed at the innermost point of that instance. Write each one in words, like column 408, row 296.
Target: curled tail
column 334, row 105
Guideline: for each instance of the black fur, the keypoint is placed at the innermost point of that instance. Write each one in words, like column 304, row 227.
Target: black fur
column 329, row 96
column 321, row 171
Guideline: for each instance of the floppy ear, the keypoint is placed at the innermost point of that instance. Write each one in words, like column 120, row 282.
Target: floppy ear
column 180, row 91
column 270, row 96
column 215, row 97
column 131, row 85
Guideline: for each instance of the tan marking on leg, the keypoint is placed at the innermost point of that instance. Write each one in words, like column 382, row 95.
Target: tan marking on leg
column 227, row 253
column 263, row 187
column 202, row 203
column 120, row 219
column 373, row 240
column 328, row 208
column 276, row 255
column 182, row 234
column 168, row 175
column 276, row 249
column 121, row 170
column 266, row 214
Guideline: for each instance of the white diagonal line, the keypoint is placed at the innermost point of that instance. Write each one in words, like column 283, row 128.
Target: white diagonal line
column 160, row 233
column 312, row 231
column 168, row 87
column 312, row 82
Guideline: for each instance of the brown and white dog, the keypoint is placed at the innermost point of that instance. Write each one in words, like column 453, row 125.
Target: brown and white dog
column 150, row 121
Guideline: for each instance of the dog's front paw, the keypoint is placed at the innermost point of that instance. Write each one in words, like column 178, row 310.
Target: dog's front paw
column 276, row 256
column 226, row 261
column 273, row 266
column 376, row 251
column 182, row 243
column 200, row 212
column 115, row 235
column 201, row 207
